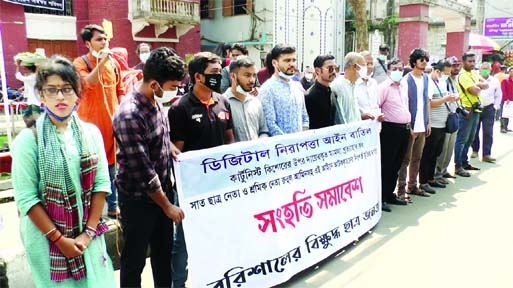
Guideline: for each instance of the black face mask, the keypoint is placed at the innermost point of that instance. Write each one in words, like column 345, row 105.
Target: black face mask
column 213, row 81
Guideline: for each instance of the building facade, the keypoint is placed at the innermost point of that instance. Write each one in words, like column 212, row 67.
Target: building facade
column 171, row 23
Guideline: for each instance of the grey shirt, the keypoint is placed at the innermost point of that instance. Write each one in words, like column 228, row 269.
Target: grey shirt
column 248, row 118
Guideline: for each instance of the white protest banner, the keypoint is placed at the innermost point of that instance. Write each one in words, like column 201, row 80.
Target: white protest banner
column 256, row 213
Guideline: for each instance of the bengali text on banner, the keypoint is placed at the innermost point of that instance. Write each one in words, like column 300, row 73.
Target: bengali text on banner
column 257, row 213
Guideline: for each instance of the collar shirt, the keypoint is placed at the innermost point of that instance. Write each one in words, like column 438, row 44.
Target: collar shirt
column 492, row 95
column 347, row 103
column 321, row 106
column 393, row 102
column 248, row 117
column 367, row 94
column 143, row 155
column 284, row 107
column 199, row 125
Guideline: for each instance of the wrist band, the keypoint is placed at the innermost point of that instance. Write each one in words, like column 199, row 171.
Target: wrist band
column 50, row 232
column 57, row 240
column 91, row 229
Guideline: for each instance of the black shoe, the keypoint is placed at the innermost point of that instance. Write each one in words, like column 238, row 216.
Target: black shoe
column 448, row 175
column 470, row 167
column 397, row 201
column 437, row 184
column 385, row 207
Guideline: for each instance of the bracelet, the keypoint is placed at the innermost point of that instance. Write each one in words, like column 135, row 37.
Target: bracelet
column 91, row 229
column 57, row 240
column 50, row 232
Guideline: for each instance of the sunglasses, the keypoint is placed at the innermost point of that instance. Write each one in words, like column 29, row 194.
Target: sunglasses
column 330, row 69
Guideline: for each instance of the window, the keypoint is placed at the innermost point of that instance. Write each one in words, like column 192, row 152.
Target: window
column 237, row 7
column 207, row 10
column 68, row 10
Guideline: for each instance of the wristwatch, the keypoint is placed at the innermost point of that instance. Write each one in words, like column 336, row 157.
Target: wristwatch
column 90, row 233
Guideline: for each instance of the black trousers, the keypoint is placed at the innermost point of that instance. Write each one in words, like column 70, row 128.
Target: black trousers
column 394, row 141
column 432, row 149
column 145, row 224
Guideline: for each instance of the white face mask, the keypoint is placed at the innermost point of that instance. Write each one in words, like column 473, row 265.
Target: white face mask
column 166, row 96
column 308, row 76
column 96, row 54
column 444, row 77
column 396, row 76
column 241, row 91
column 362, row 72
column 144, row 56
column 382, row 57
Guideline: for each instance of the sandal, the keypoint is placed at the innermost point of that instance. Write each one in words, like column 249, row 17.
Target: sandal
column 419, row 192
column 462, row 172
column 405, row 197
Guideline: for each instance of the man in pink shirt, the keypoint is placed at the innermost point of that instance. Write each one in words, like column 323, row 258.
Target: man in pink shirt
column 395, row 132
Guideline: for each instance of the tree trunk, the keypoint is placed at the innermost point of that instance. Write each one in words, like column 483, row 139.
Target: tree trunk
column 360, row 15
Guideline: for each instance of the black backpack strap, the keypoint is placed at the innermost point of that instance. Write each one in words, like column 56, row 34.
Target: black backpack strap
column 88, row 64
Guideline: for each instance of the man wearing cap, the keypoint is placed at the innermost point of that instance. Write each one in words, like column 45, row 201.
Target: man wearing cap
column 469, row 85
column 380, row 63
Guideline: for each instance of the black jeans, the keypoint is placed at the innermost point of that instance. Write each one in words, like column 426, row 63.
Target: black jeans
column 432, row 149
column 145, row 224
column 394, row 141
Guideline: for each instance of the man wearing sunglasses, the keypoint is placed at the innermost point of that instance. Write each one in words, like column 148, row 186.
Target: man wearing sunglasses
column 415, row 85
column 319, row 100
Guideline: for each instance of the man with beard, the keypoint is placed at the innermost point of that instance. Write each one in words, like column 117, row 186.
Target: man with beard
column 282, row 98
column 200, row 119
column 247, row 113
column 320, row 101
column 469, row 85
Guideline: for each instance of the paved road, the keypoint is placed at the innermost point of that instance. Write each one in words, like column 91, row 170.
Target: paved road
column 460, row 237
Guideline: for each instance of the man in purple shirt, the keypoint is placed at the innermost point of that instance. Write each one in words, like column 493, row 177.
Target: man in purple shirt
column 395, row 132
column 145, row 176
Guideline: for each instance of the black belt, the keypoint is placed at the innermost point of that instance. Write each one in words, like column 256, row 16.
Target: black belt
column 406, row 126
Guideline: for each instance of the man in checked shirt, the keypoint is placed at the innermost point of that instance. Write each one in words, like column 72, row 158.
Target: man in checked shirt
column 145, row 176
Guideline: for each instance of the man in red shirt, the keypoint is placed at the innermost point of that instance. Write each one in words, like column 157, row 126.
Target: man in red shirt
column 507, row 95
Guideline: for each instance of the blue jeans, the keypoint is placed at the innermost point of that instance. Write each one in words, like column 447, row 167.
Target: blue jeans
column 486, row 119
column 179, row 257
column 464, row 138
column 112, row 199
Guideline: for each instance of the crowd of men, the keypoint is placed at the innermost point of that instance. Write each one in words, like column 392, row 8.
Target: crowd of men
column 229, row 100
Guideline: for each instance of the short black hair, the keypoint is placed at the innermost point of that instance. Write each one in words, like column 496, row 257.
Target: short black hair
column 241, row 47
column 199, row 63
column 384, row 47
column 440, row 65
column 281, row 49
column 269, row 63
column 243, row 61
column 221, row 49
column 88, row 31
column 468, row 54
column 62, row 67
column 394, row 61
column 319, row 60
column 163, row 65
column 416, row 54
column 32, row 68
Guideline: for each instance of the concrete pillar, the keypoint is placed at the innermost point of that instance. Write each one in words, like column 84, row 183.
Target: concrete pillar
column 14, row 37
column 458, row 29
column 413, row 28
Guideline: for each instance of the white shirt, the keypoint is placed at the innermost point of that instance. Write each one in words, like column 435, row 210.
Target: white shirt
column 367, row 94
column 29, row 83
column 492, row 95
column 419, row 126
column 347, row 104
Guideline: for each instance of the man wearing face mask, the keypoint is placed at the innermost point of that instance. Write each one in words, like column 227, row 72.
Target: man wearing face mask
column 380, row 64
column 308, row 78
column 145, row 177
column 143, row 52
column 102, row 93
column 201, row 119
column 343, row 87
column 491, row 101
column 247, row 113
column 366, row 90
column 282, row 98
column 395, row 132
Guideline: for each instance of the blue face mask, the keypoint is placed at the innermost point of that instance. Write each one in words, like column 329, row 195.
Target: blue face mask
column 59, row 118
